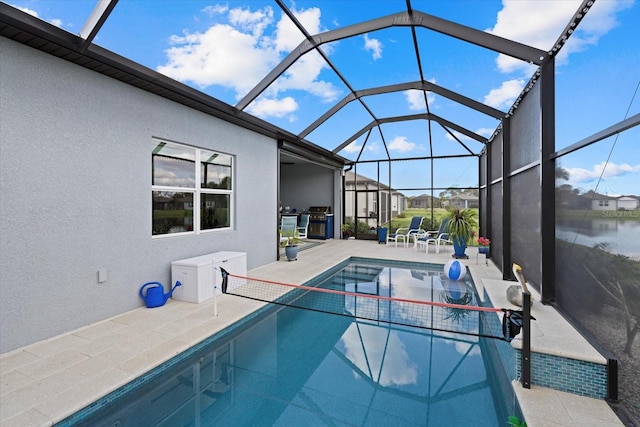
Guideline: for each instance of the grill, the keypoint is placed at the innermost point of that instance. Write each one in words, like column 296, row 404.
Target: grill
column 320, row 222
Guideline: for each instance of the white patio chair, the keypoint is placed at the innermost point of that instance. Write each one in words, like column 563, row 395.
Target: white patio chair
column 434, row 237
column 405, row 234
column 303, row 227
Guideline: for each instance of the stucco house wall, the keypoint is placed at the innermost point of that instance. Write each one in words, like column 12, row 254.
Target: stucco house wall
column 304, row 185
column 604, row 204
column 627, row 203
column 75, row 194
column 420, row 202
column 464, row 201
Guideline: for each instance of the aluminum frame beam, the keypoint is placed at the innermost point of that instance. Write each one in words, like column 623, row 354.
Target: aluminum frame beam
column 401, row 19
column 425, row 116
column 416, row 85
column 95, row 21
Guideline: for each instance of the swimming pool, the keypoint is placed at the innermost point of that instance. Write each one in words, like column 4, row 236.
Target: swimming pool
column 290, row 366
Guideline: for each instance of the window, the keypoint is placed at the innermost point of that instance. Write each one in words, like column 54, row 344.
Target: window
column 183, row 177
column 603, row 203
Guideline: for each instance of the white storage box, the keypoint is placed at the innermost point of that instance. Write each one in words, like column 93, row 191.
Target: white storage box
column 199, row 275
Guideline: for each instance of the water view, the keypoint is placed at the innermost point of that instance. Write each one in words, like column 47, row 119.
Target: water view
column 619, row 235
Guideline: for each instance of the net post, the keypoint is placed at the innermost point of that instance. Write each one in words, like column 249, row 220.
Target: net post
column 225, row 278
column 215, row 291
column 526, row 340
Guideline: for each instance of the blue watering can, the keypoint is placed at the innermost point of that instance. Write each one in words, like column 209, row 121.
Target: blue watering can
column 155, row 296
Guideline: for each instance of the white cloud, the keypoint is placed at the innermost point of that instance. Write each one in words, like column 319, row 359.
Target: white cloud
column 238, row 63
column 372, row 147
column 53, row 21
column 167, row 176
column 26, row 10
column 384, row 355
column 415, row 99
column 373, row 45
column 400, row 143
column 485, row 131
column 533, row 23
column 504, row 96
column 460, row 136
column 578, row 176
column 463, row 348
column 252, row 22
column 288, row 35
column 354, row 147
column 298, row 77
column 254, row 43
column 303, row 75
column 266, row 107
column 598, row 22
column 217, row 9
column 540, row 24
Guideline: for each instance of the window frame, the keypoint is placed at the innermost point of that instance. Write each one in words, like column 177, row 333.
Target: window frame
column 197, row 190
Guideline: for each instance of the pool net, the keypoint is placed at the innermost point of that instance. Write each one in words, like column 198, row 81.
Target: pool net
column 433, row 315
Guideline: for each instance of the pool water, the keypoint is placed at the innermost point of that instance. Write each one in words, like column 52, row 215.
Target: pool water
column 298, row 367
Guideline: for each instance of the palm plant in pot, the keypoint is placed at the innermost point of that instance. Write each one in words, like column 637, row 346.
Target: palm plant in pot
column 290, row 244
column 460, row 225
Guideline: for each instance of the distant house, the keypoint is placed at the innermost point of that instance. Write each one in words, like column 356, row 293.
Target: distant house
column 464, row 201
column 628, row 203
column 602, row 202
column 373, row 200
column 421, row 202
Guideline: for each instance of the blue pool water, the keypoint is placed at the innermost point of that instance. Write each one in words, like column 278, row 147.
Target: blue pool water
column 299, row 367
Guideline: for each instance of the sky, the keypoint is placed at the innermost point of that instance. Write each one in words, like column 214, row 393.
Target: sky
column 225, row 48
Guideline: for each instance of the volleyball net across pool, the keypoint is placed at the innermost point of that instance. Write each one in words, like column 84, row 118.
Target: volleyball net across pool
column 433, row 315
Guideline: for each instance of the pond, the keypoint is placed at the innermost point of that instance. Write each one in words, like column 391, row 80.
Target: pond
column 620, row 235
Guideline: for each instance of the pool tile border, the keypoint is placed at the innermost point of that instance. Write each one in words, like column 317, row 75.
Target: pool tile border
column 579, row 377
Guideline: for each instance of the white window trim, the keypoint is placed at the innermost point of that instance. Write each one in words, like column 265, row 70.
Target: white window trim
column 197, row 191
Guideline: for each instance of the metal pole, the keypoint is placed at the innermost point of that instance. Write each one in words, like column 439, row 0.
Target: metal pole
column 526, row 340
column 612, row 380
column 215, row 292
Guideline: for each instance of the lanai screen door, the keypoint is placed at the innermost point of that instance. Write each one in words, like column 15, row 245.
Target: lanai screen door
column 366, row 214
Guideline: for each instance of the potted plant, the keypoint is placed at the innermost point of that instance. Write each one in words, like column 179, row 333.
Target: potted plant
column 460, row 226
column 483, row 245
column 290, row 244
column 347, row 230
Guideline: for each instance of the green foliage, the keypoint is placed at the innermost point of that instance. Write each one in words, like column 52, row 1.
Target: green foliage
column 461, row 223
column 362, row 227
column 403, row 220
column 292, row 239
column 515, row 422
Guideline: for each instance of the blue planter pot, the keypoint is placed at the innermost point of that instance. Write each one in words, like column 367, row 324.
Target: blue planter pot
column 459, row 248
column 291, row 252
column 483, row 249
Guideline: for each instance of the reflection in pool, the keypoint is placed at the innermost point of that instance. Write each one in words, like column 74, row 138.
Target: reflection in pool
column 290, row 366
